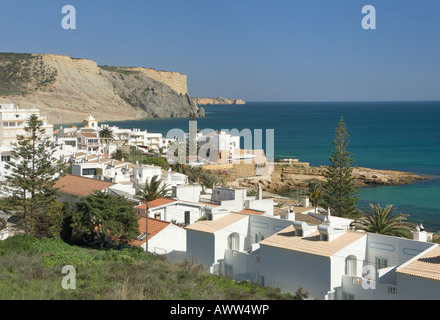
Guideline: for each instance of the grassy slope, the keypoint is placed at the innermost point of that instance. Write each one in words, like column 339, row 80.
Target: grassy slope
column 31, row 269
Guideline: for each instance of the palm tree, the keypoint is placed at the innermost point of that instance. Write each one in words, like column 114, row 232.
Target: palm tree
column 119, row 154
column 194, row 173
column 106, row 133
column 178, row 167
column 315, row 193
column 154, row 189
column 383, row 221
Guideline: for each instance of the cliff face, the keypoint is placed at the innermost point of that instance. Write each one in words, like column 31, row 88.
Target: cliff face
column 177, row 81
column 219, row 100
column 67, row 90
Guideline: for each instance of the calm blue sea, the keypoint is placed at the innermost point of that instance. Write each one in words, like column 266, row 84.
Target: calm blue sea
column 384, row 135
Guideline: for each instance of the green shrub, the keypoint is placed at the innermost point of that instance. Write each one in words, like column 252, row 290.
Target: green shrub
column 2, row 224
column 18, row 244
column 157, row 161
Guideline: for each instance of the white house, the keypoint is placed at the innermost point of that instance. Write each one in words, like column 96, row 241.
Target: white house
column 163, row 237
column 229, row 245
column 167, row 209
column 237, row 200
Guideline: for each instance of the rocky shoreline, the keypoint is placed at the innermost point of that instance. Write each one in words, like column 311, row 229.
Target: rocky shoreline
column 219, row 100
column 294, row 177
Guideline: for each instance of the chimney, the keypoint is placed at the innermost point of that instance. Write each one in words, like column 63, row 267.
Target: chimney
column 305, row 202
column 302, row 229
column 419, row 234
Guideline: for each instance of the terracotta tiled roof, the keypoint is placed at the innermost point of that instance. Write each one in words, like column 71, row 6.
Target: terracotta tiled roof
column 425, row 266
column 88, row 134
column 250, row 211
column 80, row 186
column 211, row 226
column 154, row 227
column 156, row 203
column 311, row 244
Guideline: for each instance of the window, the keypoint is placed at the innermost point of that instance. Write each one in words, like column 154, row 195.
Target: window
column 70, row 143
column 187, row 217
column 392, row 289
column 350, row 266
column 259, row 237
column 6, row 158
column 5, row 124
column 234, row 241
column 381, row 263
column 89, row 172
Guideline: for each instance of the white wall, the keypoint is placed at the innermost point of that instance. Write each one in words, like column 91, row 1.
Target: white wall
column 338, row 261
column 266, row 226
column 188, row 192
column 169, row 239
column 200, row 247
column 221, row 237
column 290, row 270
column 265, row 205
column 177, row 213
column 396, row 250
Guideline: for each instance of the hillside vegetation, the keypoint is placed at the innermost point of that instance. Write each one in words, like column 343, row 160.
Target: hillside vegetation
column 23, row 73
column 31, row 269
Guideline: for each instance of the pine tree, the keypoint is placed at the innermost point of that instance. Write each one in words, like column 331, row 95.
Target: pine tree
column 106, row 218
column 32, row 173
column 339, row 191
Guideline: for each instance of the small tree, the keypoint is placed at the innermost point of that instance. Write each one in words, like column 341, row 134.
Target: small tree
column 154, row 189
column 314, row 192
column 339, row 191
column 32, row 173
column 119, row 155
column 106, row 133
column 106, row 218
column 157, row 161
column 66, row 226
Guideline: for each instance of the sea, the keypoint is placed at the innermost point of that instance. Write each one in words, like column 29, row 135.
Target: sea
column 403, row 136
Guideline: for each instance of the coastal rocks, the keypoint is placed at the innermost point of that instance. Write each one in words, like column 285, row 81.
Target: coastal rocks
column 287, row 178
column 219, row 100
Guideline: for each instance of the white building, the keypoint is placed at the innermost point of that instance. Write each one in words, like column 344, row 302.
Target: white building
column 334, row 263
column 142, row 139
column 167, row 209
column 328, row 260
column 229, row 245
column 236, row 199
column 12, row 123
column 164, row 238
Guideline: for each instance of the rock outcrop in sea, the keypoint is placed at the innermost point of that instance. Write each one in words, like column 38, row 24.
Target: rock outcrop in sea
column 219, row 100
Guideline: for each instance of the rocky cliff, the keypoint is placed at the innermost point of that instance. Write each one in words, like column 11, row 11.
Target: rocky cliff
column 67, row 90
column 220, row 100
column 292, row 177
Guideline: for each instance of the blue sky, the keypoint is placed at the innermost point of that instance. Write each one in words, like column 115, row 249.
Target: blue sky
column 305, row 50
